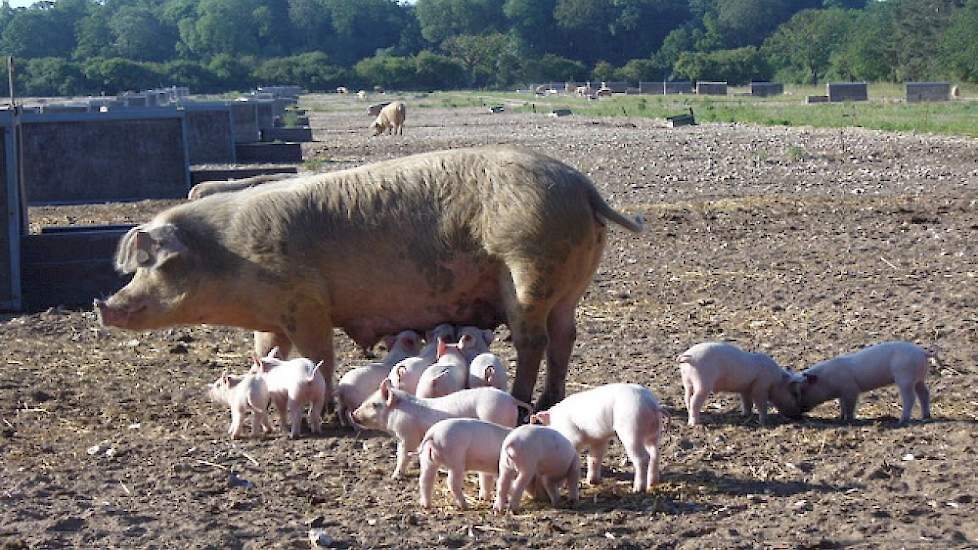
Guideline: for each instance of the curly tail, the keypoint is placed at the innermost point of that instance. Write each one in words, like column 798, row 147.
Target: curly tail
column 603, row 210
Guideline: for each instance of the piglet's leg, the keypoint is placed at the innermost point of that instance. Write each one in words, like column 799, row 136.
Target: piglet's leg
column 485, row 485
column 595, row 457
column 923, row 394
column 429, row 469
column 908, row 397
column 402, row 460
column 503, row 486
column 847, row 404
column 455, row 479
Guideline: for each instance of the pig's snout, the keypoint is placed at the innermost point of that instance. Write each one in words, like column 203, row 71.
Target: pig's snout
column 114, row 316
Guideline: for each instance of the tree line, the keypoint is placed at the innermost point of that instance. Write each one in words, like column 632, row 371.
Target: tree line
column 72, row 47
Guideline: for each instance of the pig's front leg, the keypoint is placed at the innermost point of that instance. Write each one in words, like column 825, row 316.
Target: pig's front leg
column 760, row 399
column 907, row 396
column 573, row 480
column 455, row 478
column 847, row 405
column 923, row 394
column 312, row 333
column 402, row 460
column 236, row 428
column 746, row 404
column 503, row 487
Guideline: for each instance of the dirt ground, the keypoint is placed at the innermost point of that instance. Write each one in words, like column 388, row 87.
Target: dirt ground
column 801, row 243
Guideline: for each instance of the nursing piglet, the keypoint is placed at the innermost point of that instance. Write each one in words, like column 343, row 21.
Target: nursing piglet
column 536, row 453
column 846, row 376
column 358, row 383
column 487, row 370
column 460, row 445
column 590, row 418
column 449, row 374
column 721, row 367
column 475, row 340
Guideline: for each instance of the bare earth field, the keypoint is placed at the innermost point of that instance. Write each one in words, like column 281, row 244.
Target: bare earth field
column 801, row 243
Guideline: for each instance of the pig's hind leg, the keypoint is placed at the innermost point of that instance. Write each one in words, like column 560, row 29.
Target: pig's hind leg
column 595, row 457
column 429, row 471
column 486, row 481
column 639, row 457
column 315, row 416
column 746, row 404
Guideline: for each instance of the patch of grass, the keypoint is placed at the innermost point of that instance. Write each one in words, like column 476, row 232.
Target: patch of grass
column 317, row 164
column 795, row 153
column 883, row 112
column 290, row 119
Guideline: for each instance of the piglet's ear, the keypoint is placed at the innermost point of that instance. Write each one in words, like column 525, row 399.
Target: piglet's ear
column 442, row 348
column 409, row 343
column 488, row 336
column 389, row 342
column 401, row 372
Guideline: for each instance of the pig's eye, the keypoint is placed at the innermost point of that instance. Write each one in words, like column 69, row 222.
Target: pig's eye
column 377, row 405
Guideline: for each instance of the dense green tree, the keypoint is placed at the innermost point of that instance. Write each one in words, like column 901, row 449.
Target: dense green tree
column 51, row 76
column 116, row 75
column 553, row 68
column 222, row 26
column 639, row 70
column 234, row 72
column 389, row 71
column 442, row 19
column 736, row 66
column 800, row 49
column 918, row 27
column 959, row 45
column 869, row 51
column 191, row 74
column 433, row 71
column 362, row 27
column 479, row 54
column 137, row 33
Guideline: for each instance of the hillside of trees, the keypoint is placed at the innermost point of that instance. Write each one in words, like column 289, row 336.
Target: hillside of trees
column 72, row 47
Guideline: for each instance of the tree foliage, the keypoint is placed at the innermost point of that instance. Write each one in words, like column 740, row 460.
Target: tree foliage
column 90, row 46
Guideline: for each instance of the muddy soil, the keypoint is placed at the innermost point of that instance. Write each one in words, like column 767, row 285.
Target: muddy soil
column 802, row 243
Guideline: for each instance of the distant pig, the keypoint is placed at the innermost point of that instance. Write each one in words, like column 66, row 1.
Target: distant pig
column 243, row 394
column 532, row 453
column 721, row 367
column 475, row 340
column 488, row 370
column 449, row 374
column 357, row 384
column 460, row 445
column 590, row 418
column 292, row 385
column 409, row 417
column 846, row 376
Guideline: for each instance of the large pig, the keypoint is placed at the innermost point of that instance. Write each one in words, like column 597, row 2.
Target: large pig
column 460, row 445
column 846, row 376
column 475, row 236
column 721, row 367
column 357, row 384
column 207, row 188
column 590, row 419
column 540, row 455
column 409, row 417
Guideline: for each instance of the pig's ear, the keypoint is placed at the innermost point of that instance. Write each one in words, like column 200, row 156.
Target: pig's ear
column 810, row 378
column 401, row 372
column 442, row 348
column 148, row 246
column 542, row 417
column 385, row 388
column 272, row 353
column 465, row 341
column 388, row 342
column 489, row 373
column 488, row 336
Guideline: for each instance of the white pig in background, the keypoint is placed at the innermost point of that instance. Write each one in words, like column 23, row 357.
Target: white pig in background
column 846, row 376
column 409, row 417
column 358, row 383
column 449, row 374
column 721, row 367
column 460, row 445
column 292, row 385
column 536, row 453
column 243, row 394
column 590, row 418
column 487, row 370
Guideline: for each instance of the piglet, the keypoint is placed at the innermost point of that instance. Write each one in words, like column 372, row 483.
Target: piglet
column 487, row 370
column 475, row 340
column 535, row 454
column 449, row 374
column 590, row 418
column 243, row 394
column 721, row 367
column 406, row 374
column 358, row 383
column 409, row 417
column 846, row 376
column 292, row 385
column 441, row 333
column 460, row 445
